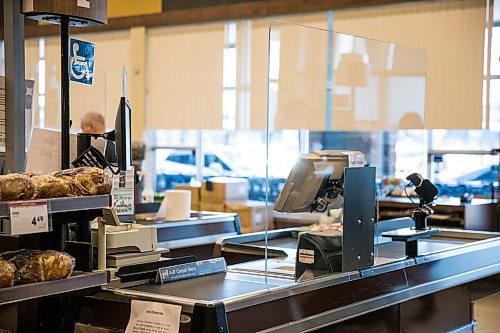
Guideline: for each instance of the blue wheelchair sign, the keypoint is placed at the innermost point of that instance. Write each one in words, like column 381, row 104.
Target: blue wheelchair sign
column 81, row 61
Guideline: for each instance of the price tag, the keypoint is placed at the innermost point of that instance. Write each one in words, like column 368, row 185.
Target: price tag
column 28, row 217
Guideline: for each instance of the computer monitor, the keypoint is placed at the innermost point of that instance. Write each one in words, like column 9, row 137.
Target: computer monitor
column 123, row 135
column 316, row 181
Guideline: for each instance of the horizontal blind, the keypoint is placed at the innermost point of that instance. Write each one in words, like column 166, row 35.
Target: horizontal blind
column 452, row 34
column 185, row 77
column 291, row 83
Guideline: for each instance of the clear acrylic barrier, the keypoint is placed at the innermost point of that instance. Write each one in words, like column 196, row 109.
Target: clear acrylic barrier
column 320, row 81
column 323, row 80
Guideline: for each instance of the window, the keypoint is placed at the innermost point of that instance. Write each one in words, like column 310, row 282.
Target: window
column 274, row 75
column 41, row 83
column 183, row 156
column 212, row 159
column 495, row 78
column 462, row 161
column 229, row 77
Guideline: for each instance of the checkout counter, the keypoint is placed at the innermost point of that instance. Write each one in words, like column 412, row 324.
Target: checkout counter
column 432, row 292
column 150, row 238
column 195, row 236
column 261, row 291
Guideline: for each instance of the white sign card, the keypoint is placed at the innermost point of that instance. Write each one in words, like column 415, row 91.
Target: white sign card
column 44, row 154
column 153, row 317
column 27, row 217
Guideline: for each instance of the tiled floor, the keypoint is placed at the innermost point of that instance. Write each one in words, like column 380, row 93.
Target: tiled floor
column 487, row 314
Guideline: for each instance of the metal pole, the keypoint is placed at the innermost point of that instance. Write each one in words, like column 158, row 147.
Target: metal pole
column 65, row 114
column 14, row 86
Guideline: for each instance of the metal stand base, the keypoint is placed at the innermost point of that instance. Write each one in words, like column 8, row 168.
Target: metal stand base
column 410, row 236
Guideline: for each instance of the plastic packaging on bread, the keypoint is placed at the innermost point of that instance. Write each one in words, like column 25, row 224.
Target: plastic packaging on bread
column 39, row 266
column 7, row 274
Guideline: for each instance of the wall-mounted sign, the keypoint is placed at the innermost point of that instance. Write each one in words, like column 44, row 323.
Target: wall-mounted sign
column 81, row 61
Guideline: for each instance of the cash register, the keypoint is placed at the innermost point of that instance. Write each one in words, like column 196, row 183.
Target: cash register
column 325, row 180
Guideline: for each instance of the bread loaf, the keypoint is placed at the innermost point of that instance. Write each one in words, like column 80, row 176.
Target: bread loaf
column 39, row 266
column 71, row 182
column 47, row 186
column 7, row 274
column 16, row 187
column 85, row 181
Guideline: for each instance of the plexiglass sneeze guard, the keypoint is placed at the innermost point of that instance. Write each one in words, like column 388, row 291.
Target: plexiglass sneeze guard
column 321, row 80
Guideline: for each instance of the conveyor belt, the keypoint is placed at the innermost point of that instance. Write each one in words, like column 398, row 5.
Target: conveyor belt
column 213, row 287
column 392, row 250
column 241, row 300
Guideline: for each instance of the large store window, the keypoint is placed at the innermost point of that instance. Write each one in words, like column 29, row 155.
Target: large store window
column 229, row 77
column 225, row 153
column 464, row 161
column 495, row 78
column 456, row 161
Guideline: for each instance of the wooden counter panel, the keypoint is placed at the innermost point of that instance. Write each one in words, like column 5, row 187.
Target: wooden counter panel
column 280, row 311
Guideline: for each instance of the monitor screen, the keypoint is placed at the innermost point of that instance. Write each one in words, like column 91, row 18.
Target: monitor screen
column 316, row 181
column 123, row 135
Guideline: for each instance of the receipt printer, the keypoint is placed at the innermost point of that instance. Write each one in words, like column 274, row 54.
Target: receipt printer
column 320, row 252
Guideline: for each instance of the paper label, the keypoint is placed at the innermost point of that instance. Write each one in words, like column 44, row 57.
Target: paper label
column 83, row 3
column 306, row 256
column 153, row 317
column 258, row 219
column 28, row 217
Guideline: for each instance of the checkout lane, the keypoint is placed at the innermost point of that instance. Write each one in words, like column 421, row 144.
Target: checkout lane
column 257, row 295
column 250, row 305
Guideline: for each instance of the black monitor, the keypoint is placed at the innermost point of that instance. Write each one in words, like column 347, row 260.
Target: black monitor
column 316, row 181
column 123, row 134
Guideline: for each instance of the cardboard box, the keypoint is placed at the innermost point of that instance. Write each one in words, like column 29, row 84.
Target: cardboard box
column 196, row 207
column 224, row 189
column 212, row 207
column 252, row 215
column 195, row 195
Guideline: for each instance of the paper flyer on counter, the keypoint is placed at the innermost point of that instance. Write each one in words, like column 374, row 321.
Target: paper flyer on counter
column 153, row 317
